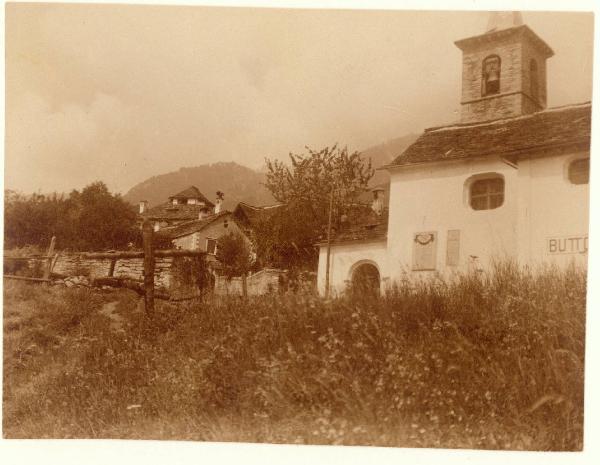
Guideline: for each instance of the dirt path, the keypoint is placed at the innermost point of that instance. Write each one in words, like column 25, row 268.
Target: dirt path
column 116, row 320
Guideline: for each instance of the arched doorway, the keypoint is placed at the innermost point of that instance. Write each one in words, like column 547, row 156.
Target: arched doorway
column 365, row 279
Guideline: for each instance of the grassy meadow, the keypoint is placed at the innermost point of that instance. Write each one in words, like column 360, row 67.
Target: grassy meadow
column 493, row 361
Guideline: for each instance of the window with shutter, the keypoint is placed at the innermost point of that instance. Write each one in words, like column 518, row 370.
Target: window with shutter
column 424, row 251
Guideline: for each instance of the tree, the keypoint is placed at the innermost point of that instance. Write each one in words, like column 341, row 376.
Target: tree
column 234, row 254
column 93, row 219
column 305, row 188
column 104, row 218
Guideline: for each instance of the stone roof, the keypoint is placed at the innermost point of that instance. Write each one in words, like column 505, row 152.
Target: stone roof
column 181, row 211
column 503, row 33
column 250, row 215
column 368, row 226
column 168, row 211
column 190, row 227
column 545, row 132
column 192, row 192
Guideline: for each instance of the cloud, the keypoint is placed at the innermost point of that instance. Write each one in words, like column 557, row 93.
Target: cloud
column 64, row 144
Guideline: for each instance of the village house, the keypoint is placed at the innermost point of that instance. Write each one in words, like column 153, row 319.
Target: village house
column 509, row 181
column 193, row 222
column 189, row 204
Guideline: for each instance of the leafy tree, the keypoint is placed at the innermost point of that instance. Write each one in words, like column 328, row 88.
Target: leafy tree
column 106, row 218
column 235, row 255
column 305, row 187
column 93, row 219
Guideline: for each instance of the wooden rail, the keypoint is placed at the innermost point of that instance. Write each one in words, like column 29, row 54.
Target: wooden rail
column 140, row 254
column 149, row 254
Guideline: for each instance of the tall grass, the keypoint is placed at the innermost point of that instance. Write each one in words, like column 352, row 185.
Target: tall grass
column 492, row 361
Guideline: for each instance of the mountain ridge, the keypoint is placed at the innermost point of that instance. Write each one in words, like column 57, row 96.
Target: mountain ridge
column 241, row 183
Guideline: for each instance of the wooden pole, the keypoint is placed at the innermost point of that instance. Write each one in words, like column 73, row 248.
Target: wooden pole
column 111, row 270
column 328, row 245
column 50, row 254
column 147, row 233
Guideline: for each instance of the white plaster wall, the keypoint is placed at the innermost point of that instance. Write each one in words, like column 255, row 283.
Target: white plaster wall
column 434, row 198
column 551, row 207
column 344, row 257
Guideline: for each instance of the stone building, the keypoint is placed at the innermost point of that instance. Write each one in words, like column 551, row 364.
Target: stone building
column 189, row 204
column 509, row 181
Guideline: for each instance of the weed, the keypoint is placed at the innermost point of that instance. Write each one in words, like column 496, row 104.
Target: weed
column 480, row 361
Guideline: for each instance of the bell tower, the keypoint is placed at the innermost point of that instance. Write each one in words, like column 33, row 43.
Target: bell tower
column 503, row 70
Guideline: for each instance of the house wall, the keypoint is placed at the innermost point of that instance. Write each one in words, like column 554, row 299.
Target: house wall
column 344, row 257
column 259, row 283
column 543, row 220
column 435, row 199
column 553, row 212
column 197, row 240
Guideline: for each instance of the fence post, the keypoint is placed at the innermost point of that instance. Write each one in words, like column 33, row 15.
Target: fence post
column 49, row 258
column 147, row 233
column 111, row 270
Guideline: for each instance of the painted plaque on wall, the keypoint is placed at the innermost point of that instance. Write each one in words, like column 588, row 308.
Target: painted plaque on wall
column 424, row 251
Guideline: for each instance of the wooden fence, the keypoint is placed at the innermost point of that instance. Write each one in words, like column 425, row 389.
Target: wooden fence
column 148, row 254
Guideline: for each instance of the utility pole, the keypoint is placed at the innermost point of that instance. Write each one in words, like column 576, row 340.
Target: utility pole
column 147, row 233
column 328, row 244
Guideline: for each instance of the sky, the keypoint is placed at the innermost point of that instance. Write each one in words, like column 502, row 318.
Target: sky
column 120, row 93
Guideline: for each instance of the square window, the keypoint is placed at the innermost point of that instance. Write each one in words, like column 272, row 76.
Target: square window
column 486, row 194
column 211, row 246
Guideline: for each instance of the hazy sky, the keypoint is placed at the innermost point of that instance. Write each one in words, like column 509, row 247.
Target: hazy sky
column 121, row 93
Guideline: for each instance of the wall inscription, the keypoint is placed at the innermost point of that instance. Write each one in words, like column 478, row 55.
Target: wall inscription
column 567, row 245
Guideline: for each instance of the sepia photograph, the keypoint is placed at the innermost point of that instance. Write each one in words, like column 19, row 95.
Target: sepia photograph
column 297, row 225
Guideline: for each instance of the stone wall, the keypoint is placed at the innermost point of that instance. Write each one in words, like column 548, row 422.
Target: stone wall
column 72, row 264
column 262, row 282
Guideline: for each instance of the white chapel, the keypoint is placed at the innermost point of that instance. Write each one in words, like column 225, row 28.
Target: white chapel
column 509, row 181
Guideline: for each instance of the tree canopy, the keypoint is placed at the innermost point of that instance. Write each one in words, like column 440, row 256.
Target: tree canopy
column 93, row 219
column 304, row 187
column 234, row 254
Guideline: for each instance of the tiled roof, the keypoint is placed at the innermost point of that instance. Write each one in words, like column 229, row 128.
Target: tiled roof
column 495, row 35
column 544, row 131
column 168, row 211
column 189, row 227
column 367, row 227
column 192, row 192
column 250, row 215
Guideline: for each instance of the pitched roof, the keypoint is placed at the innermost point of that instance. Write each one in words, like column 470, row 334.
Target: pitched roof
column 192, row 192
column 251, row 214
column 367, row 227
column 168, row 211
column 190, row 227
column 556, row 128
column 505, row 32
